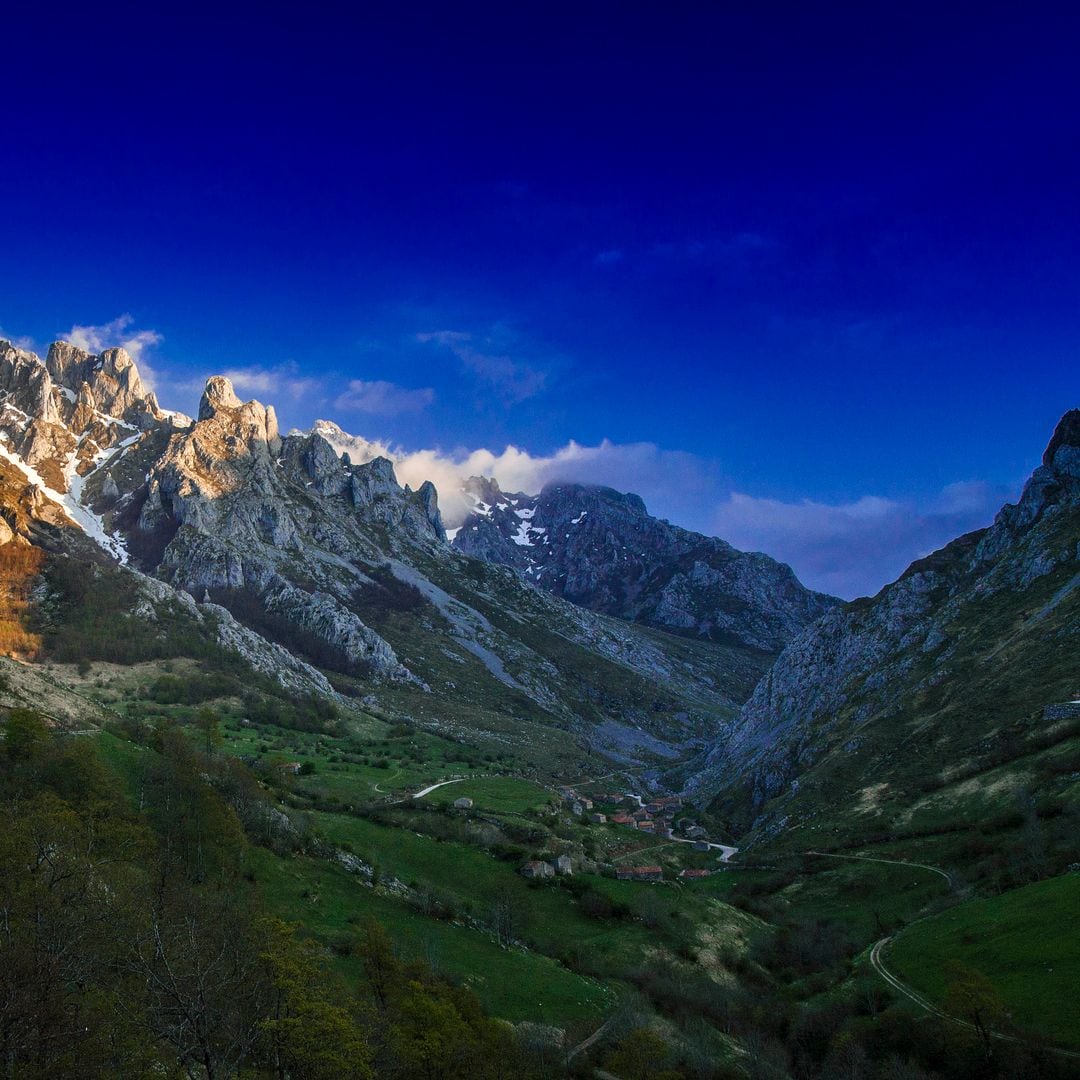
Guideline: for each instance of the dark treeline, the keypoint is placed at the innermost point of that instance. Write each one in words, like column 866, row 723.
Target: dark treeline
column 133, row 942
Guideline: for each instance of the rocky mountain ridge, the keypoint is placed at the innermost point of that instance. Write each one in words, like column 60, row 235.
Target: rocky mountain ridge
column 601, row 549
column 942, row 677
column 287, row 549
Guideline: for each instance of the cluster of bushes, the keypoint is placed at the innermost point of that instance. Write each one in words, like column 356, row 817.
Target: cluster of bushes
column 192, row 689
column 1007, row 746
column 87, row 615
column 313, row 714
column 385, row 595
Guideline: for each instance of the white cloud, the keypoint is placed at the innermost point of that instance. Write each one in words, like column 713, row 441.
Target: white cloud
column 848, row 549
column 25, row 343
column 382, row 398
column 118, row 334
column 493, row 361
column 672, row 483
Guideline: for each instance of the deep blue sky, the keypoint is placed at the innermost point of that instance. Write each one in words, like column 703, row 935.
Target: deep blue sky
column 830, row 257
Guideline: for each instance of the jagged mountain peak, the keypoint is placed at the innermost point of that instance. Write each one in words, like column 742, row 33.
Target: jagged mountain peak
column 223, row 415
column 358, row 449
column 485, row 490
column 1063, row 450
column 111, row 377
column 217, row 395
column 594, row 494
column 600, row 548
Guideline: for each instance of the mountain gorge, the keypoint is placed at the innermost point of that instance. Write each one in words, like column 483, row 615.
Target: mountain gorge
column 572, row 772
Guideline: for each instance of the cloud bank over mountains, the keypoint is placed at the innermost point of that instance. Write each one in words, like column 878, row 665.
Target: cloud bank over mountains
column 847, row 549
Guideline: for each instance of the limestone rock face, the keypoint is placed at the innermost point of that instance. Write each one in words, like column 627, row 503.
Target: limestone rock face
column 112, row 377
column 61, row 415
column 278, row 522
column 601, row 549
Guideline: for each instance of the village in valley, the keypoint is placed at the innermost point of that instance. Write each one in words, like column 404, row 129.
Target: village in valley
column 661, row 817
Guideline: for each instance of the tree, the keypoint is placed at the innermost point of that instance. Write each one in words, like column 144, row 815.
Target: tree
column 427, row 1036
column 310, row 1036
column 381, row 965
column 195, row 952
column 25, row 734
column 972, row 997
column 506, row 916
column 642, row 1055
column 209, row 724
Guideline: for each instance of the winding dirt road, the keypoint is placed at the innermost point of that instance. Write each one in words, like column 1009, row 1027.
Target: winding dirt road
column 431, row 787
column 878, row 964
column 891, row 862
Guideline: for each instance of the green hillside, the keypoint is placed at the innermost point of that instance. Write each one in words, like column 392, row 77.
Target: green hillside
column 1024, row 941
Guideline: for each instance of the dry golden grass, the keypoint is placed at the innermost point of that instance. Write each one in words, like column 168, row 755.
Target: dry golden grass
column 20, row 565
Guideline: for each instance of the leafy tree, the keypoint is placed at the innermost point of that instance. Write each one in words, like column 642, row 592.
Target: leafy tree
column 25, row 735
column 972, row 997
column 208, row 723
column 506, row 916
column 381, row 965
column 641, row 1055
column 310, row 1036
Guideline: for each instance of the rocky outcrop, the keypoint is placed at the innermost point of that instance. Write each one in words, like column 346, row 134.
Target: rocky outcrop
column 112, row 379
column 278, row 523
column 601, row 549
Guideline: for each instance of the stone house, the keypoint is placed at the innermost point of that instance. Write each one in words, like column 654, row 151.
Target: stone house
column 640, row 873
column 537, row 869
column 563, row 865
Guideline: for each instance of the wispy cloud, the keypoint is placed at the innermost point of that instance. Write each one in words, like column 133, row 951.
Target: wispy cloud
column 118, row 333
column 495, row 362
column 381, row 398
column 25, row 343
column 278, row 381
column 671, row 482
column 853, row 548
